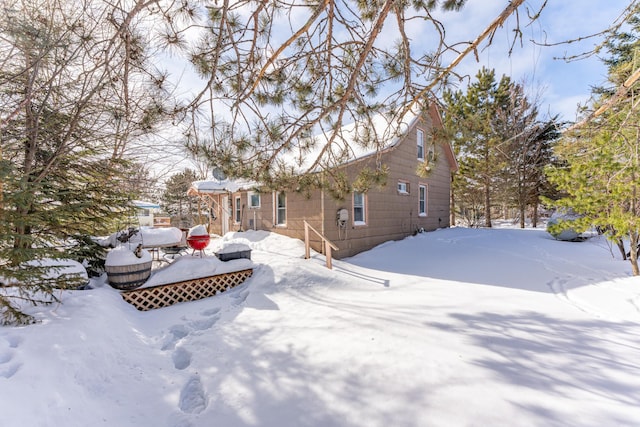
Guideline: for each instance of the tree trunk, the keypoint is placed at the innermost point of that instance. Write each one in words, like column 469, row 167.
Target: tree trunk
column 620, row 245
column 634, row 266
column 487, row 206
column 534, row 216
column 633, row 253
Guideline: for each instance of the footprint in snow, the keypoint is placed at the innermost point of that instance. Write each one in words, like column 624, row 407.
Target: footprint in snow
column 193, row 399
column 13, row 341
column 203, row 324
column 181, row 358
column 210, row 312
column 7, row 368
column 240, row 297
column 176, row 333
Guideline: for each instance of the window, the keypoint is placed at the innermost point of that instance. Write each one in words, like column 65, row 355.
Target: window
column 238, row 210
column 359, row 205
column 422, row 200
column 403, row 187
column 253, row 200
column 420, row 138
column 281, row 208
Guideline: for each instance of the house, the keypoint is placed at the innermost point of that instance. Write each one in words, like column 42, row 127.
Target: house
column 407, row 204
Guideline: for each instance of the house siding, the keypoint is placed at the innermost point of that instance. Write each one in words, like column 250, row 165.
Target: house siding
column 389, row 214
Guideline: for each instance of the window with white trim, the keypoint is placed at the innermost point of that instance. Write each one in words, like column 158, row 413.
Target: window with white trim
column 420, row 142
column 253, row 200
column 281, row 208
column 238, row 209
column 403, row 187
column 359, row 208
column 422, row 200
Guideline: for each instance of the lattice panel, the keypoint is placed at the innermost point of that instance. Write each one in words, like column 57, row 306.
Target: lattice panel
column 190, row 290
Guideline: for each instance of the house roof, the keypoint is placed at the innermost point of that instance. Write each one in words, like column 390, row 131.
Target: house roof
column 359, row 140
column 219, row 186
column 348, row 146
column 145, row 205
column 353, row 141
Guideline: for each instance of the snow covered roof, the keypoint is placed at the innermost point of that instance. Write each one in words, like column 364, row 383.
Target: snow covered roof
column 220, row 186
column 145, row 205
column 355, row 141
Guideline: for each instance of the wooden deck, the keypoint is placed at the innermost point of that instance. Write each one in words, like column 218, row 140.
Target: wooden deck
column 189, row 290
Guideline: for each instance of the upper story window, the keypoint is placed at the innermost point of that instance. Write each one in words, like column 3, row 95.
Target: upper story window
column 253, row 199
column 403, row 187
column 359, row 208
column 420, row 139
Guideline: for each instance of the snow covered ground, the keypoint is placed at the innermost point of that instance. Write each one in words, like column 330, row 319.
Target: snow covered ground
column 457, row 327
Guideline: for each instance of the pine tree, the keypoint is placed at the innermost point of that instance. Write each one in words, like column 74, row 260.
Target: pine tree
column 600, row 173
column 527, row 147
column 470, row 120
column 175, row 200
column 273, row 83
column 74, row 94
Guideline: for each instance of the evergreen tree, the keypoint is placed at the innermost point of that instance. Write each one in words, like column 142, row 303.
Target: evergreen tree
column 527, row 147
column 600, row 173
column 74, row 94
column 470, row 119
column 175, row 200
column 501, row 145
column 273, row 83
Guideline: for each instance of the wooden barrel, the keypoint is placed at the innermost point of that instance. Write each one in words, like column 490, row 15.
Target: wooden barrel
column 125, row 277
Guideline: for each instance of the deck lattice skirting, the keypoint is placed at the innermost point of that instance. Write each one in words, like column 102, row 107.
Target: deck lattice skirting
column 189, row 290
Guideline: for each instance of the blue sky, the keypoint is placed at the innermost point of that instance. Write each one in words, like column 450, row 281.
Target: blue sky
column 563, row 85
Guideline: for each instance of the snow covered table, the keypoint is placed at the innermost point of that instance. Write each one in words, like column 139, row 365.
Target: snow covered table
column 156, row 238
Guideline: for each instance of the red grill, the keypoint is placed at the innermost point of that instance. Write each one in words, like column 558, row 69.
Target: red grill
column 198, row 242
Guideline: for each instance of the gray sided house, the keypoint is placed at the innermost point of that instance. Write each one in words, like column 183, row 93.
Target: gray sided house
column 408, row 203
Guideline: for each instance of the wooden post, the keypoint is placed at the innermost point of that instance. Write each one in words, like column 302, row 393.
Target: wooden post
column 327, row 246
column 307, row 251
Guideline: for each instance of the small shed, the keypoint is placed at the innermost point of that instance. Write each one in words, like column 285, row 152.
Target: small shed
column 145, row 211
